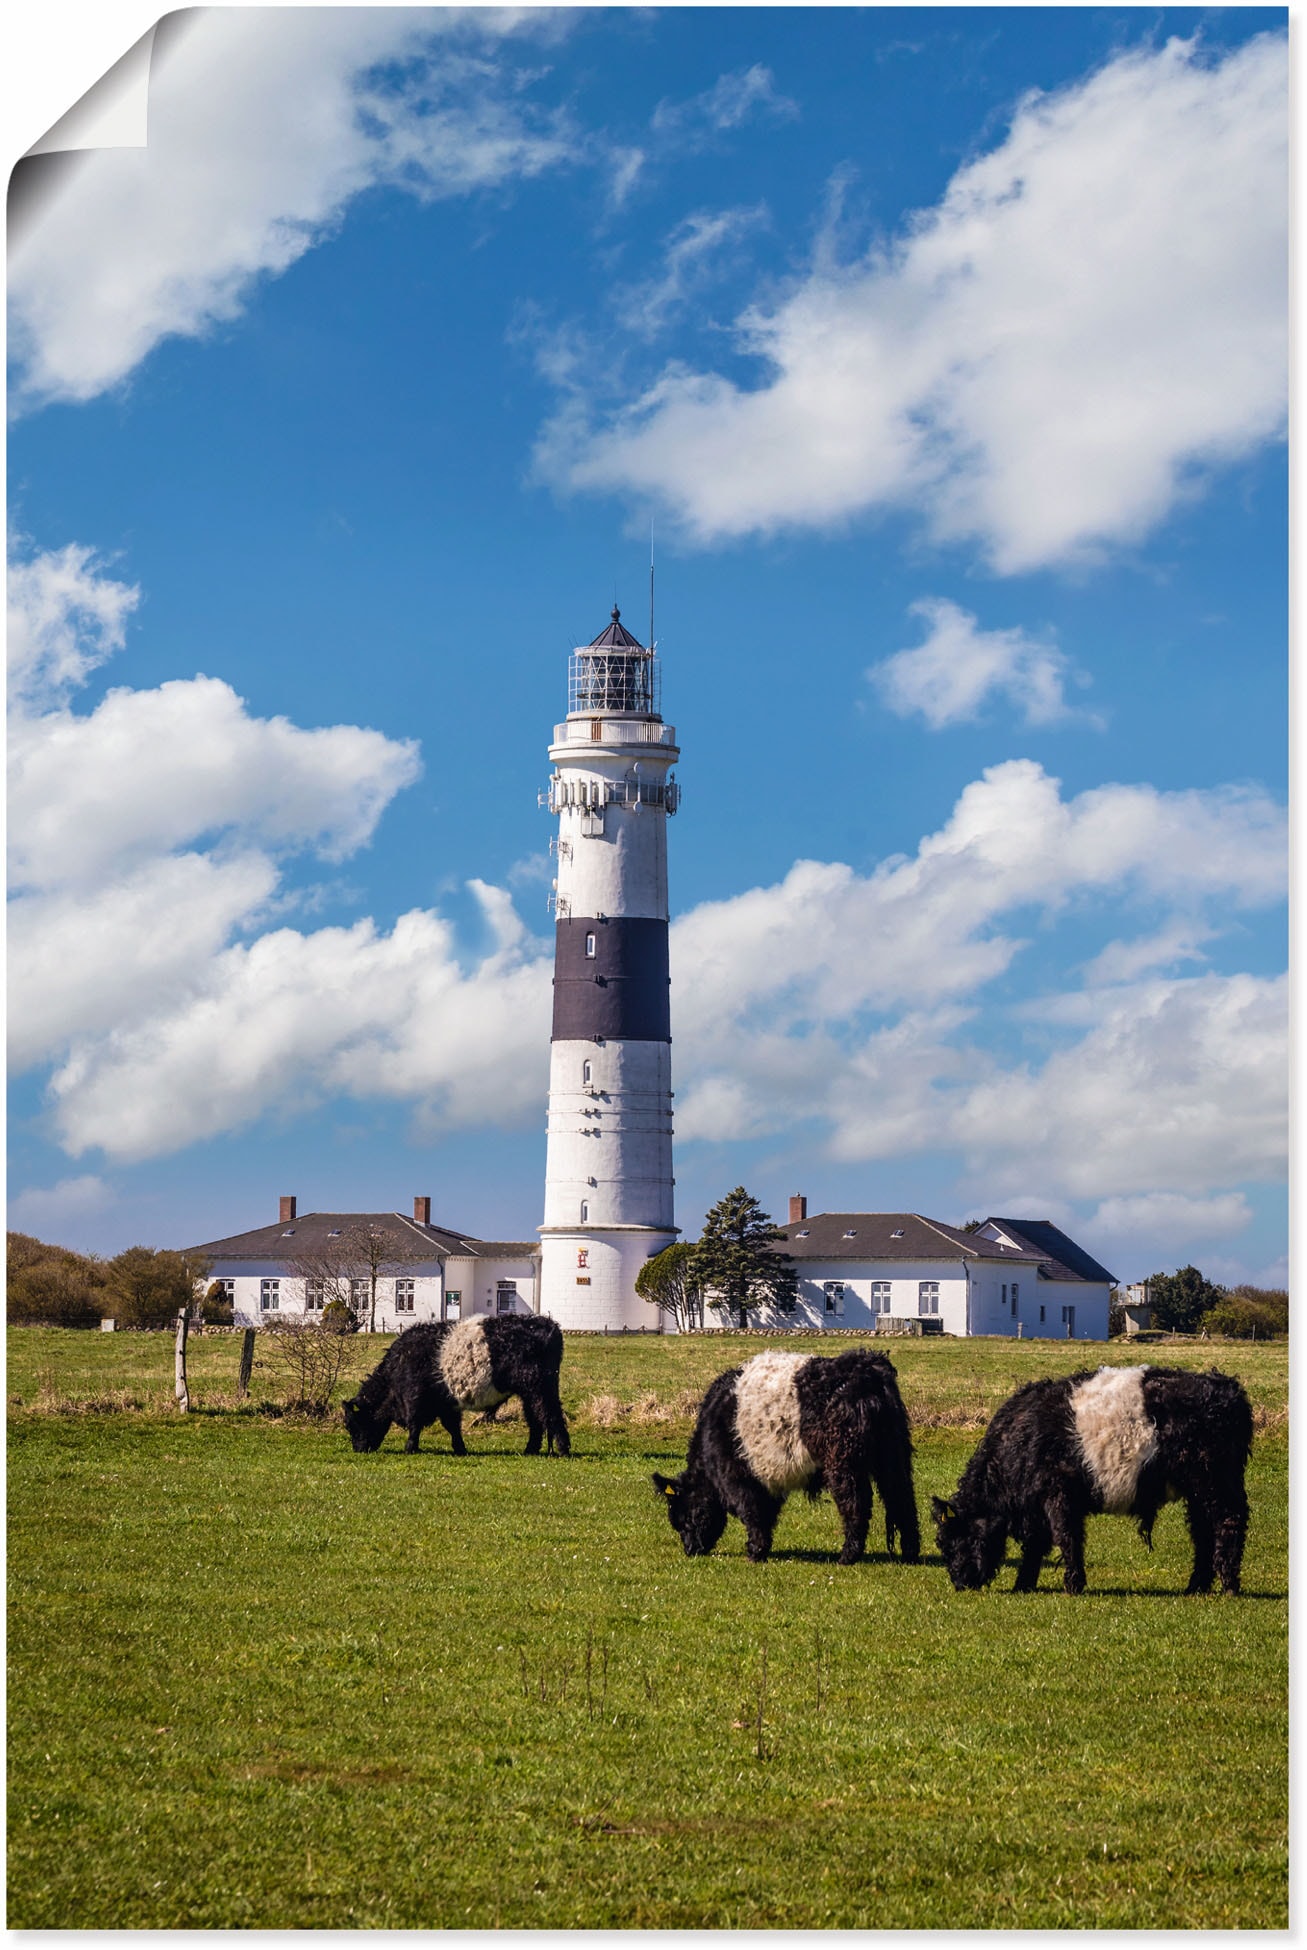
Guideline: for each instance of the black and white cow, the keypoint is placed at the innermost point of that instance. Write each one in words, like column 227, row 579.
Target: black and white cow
column 797, row 1421
column 432, row 1373
column 1122, row 1441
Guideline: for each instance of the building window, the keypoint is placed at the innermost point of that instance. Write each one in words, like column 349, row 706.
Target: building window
column 596, row 730
column 1041, row 1314
column 880, row 1295
column 587, row 1074
column 928, row 1297
column 585, row 1211
column 269, row 1296
column 505, row 1296
column 358, row 1295
column 834, row 1293
column 227, row 1290
column 590, row 947
column 405, row 1300
column 583, row 1256
column 451, row 1306
column 1014, row 1299
column 314, row 1296
column 1005, row 1296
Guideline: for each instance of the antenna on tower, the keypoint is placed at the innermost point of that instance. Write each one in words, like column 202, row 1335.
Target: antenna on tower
column 651, row 587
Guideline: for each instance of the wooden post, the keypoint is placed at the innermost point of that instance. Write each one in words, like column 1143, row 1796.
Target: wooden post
column 247, row 1362
column 183, row 1399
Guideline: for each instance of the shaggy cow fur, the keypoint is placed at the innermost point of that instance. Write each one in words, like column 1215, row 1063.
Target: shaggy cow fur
column 432, row 1373
column 1125, row 1441
column 789, row 1421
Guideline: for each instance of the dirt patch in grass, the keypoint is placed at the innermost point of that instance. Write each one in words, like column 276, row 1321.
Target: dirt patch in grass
column 649, row 1410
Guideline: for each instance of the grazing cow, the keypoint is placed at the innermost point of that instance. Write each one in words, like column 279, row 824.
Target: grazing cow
column 432, row 1373
column 797, row 1421
column 1124, row 1441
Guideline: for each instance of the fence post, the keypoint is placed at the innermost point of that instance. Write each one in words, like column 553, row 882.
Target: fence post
column 247, row 1362
column 183, row 1399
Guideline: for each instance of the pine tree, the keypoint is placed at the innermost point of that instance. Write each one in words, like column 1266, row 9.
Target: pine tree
column 737, row 1260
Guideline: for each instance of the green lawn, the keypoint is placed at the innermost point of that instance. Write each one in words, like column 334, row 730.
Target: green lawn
column 259, row 1681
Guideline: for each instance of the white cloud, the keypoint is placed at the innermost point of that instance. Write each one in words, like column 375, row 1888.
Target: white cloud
column 1170, row 1220
column 697, row 250
column 733, row 99
column 291, row 1020
column 65, row 617
column 43, row 1206
column 146, row 833
column 1043, row 363
column 264, row 124
column 959, row 669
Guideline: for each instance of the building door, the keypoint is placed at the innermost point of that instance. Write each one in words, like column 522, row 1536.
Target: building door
column 1069, row 1318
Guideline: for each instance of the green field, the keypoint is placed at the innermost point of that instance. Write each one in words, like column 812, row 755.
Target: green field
column 258, row 1681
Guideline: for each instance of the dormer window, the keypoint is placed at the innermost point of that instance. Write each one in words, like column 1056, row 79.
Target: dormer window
column 589, row 947
column 898, row 1234
column 852, row 1233
column 802, row 1233
column 289, row 1233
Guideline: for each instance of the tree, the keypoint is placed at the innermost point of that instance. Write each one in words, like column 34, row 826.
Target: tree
column 670, row 1281
column 149, row 1289
column 736, row 1259
column 365, row 1254
column 1180, row 1299
column 313, row 1354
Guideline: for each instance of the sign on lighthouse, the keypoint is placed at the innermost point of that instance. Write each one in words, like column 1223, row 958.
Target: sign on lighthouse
column 608, row 1171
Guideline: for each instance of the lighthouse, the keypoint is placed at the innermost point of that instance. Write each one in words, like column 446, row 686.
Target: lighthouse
column 608, row 1170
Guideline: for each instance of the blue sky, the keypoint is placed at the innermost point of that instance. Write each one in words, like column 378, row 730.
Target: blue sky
column 945, row 350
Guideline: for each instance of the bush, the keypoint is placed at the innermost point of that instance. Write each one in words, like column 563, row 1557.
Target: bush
column 312, row 1354
column 149, row 1288
column 52, row 1285
column 340, row 1318
column 1250, row 1312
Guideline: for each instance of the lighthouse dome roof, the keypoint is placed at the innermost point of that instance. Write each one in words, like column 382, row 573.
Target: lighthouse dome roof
column 616, row 636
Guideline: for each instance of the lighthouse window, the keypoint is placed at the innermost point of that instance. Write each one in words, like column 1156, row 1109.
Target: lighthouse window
column 585, row 1211
column 587, row 1074
column 590, row 947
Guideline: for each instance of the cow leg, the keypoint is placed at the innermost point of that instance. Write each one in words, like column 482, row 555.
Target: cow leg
column 895, row 1486
column 1068, row 1533
column 1231, row 1530
column 758, row 1512
column 535, row 1423
column 1203, row 1533
column 451, row 1418
column 852, row 1497
column 556, row 1423
column 411, row 1446
column 1034, row 1549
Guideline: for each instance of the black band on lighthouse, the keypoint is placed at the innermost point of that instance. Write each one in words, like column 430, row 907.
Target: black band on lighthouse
column 622, row 991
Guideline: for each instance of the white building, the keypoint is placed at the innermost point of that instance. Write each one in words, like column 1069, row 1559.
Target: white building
column 608, row 1169
column 1010, row 1276
column 423, row 1271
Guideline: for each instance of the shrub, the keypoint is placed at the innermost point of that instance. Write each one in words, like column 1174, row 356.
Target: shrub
column 312, row 1355
column 52, row 1285
column 1250, row 1312
column 340, row 1318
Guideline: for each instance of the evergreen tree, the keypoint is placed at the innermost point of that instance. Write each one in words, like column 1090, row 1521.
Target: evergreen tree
column 737, row 1260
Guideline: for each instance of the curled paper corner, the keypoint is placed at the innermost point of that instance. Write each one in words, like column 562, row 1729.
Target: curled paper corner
column 112, row 114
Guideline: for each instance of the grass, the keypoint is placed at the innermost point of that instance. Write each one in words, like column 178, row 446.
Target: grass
column 259, row 1681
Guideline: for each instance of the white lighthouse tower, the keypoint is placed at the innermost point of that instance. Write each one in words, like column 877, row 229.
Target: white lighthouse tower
column 608, row 1171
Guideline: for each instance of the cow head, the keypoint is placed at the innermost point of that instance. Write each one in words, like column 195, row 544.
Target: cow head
column 971, row 1544
column 696, row 1513
column 366, row 1429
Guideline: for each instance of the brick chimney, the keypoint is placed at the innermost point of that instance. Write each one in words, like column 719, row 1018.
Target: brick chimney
column 422, row 1211
column 798, row 1208
column 287, row 1209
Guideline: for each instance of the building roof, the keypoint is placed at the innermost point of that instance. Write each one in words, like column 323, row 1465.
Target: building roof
column 320, row 1235
column 910, row 1235
column 616, row 636
column 1071, row 1262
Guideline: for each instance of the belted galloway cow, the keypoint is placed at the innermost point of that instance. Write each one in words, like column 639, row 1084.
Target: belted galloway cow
column 432, row 1373
column 797, row 1421
column 1123, row 1441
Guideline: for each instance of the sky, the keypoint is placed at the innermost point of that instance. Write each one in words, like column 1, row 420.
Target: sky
column 943, row 354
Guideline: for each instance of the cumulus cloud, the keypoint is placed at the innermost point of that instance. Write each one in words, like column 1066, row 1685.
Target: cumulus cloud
column 1170, row 1220
column 959, row 668
column 39, row 1207
column 264, row 124
column 1042, row 364
column 146, row 833
column 290, row 1020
